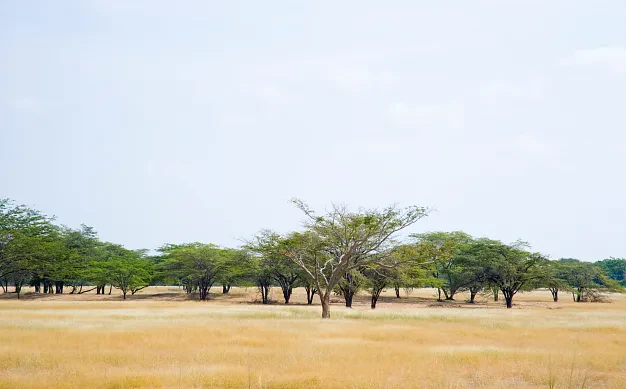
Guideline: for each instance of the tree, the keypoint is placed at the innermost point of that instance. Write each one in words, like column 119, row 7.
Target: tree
column 196, row 265
column 274, row 265
column 341, row 241
column 376, row 280
column 24, row 234
column 440, row 250
column 129, row 271
column 472, row 260
column 587, row 280
column 237, row 267
column 615, row 268
column 349, row 285
column 508, row 267
column 553, row 277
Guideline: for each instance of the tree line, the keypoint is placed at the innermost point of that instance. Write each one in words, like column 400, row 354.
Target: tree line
column 340, row 252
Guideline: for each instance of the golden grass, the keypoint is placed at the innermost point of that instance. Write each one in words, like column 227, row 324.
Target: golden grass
column 71, row 341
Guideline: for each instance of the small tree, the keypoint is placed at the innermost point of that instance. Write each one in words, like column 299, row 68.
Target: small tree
column 553, row 276
column 377, row 279
column 587, row 280
column 128, row 270
column 350, row 285
column 238, row 266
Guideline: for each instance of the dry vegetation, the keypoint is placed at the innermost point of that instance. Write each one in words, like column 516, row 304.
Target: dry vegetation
column 159, row 339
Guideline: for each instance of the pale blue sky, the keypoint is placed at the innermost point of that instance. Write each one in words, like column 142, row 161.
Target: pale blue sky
column 163, row 121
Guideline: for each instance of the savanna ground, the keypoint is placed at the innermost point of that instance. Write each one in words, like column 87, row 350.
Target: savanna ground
column 161, row 339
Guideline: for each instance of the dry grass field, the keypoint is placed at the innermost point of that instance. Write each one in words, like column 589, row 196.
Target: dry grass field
column 160, row 339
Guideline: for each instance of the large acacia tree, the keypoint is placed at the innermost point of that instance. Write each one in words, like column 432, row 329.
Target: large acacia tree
column 341, row 240
column 510, row 268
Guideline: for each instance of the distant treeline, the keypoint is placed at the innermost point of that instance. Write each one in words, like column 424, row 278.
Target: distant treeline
column 340, row 252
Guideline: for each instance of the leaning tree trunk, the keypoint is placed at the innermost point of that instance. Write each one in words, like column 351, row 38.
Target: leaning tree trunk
column 225, row 289
column 397, row 289
column 375, row 295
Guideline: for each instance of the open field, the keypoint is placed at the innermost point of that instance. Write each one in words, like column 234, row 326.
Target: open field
column 160, row 339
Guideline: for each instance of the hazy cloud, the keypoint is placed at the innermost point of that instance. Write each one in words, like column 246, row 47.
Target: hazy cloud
column 610, row 57
column 426, row 116
column 529, row 89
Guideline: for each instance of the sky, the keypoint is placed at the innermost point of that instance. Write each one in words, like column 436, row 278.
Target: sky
column 162, row 121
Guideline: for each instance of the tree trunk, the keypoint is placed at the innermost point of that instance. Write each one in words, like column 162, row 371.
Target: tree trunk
column 397, row 289
column 449, row 294
column 438, row 294
column 472, row 295
column 124, row 293
column 310, row 293
column 110, row 289
column 375, row 295
column 555, row 294
column 87, row 291
column 58, row 285
column 203, row 292
column 18, row 289
column 325, row 301
column 225, row 289
column 287, row 293
column 265, row 291
column 348, row 296
column 509, row 301
column 496, row 294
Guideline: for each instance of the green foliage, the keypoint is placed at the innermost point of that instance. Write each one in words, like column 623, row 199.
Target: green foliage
column 441, row 252
column 587, row 280
column 197, row 265
column 341, row 250
column 615, row 268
